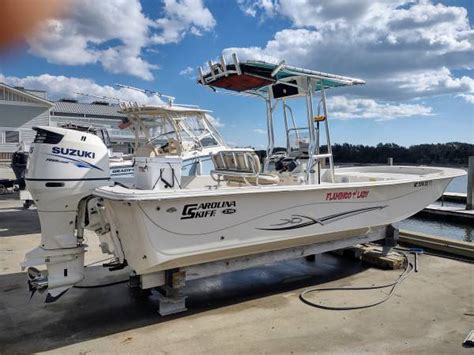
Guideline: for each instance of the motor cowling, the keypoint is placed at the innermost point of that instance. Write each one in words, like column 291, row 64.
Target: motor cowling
column 64, row 167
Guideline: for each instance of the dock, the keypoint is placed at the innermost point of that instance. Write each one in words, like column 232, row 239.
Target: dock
column 448, row 212
column 460, row 197
column 444, row 245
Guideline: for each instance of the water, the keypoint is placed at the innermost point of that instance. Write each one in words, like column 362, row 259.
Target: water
column 458, row 184
column 447, row 229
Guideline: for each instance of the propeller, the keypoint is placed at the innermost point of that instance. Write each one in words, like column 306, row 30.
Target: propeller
column 36, row 281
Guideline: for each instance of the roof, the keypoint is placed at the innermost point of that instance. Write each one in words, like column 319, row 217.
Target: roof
column 258, row 76
column 27, row 94
column 85, row 109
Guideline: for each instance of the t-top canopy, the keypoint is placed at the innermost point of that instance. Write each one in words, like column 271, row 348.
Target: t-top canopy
column 259, row 76
column 160, row 110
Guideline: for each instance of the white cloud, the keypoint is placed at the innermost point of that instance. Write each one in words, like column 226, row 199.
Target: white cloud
column 432, row 82
column 260, row 131
column 215, row 121
column 114, row 33
column 313, row 13
column 251, row 7
column 189, row 73
column 404, row 49
column 345, row 108
column 182, row 17
column 468, row 97
column 60, row 86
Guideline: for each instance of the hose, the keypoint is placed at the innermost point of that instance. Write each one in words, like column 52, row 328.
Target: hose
column 408, row 269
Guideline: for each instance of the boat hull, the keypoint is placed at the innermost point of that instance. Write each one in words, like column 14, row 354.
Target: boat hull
column 163, row 233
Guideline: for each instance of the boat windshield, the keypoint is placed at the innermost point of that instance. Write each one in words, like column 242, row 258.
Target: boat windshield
column 194, row 129
column 157, row 126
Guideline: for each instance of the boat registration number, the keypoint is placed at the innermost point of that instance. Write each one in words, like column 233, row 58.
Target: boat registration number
column 423, row 183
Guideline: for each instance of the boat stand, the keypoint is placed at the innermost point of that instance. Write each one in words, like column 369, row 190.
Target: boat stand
column 170, row 296
column 170, row 283
column 392, row 234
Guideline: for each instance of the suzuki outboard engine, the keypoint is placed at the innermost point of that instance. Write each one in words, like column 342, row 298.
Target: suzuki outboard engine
column 64, row 168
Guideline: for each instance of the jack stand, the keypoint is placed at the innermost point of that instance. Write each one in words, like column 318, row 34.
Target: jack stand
column 171, row 300
column 391, row 239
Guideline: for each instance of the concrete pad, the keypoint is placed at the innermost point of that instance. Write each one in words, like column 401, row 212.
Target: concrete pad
column 252, row 311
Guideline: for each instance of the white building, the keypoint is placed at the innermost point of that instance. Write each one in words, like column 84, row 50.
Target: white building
column 21, row 109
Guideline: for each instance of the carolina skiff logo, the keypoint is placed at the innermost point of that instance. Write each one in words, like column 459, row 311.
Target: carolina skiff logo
column 207, row 209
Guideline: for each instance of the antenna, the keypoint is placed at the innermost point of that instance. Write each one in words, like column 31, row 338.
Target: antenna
column 146, row 91
column 100, row 97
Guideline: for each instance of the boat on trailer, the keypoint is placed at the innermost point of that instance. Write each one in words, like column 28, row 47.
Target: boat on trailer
column 169, row 225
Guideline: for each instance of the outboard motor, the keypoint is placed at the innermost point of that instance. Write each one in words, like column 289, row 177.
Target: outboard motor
column 64, row 167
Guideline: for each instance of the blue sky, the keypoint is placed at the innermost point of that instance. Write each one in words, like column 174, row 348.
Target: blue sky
column 417, row 58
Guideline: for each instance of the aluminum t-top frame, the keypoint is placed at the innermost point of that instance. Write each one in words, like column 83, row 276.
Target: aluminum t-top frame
column 279, row 82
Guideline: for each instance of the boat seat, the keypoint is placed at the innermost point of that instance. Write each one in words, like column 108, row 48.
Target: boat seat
column 240, row 166
column 145, row 151
column 149, row 150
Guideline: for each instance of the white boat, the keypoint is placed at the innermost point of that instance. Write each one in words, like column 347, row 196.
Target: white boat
column 189, row 128
column 169, row 221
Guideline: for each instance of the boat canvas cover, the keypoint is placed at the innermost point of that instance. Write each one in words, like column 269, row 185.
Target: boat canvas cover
column 257, row 76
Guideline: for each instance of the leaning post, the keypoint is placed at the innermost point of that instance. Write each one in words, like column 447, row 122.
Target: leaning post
column 470, row 183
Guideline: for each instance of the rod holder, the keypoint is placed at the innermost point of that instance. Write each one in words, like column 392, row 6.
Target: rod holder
column 210, row 69
column 201, row 75
column 224, row 65
column 236, row 63
column 278, row 68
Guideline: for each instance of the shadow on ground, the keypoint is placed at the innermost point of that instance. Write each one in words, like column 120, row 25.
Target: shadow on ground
column 82, row 315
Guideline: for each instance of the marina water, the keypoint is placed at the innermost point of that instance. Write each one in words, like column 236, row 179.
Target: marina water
column 435, row 226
